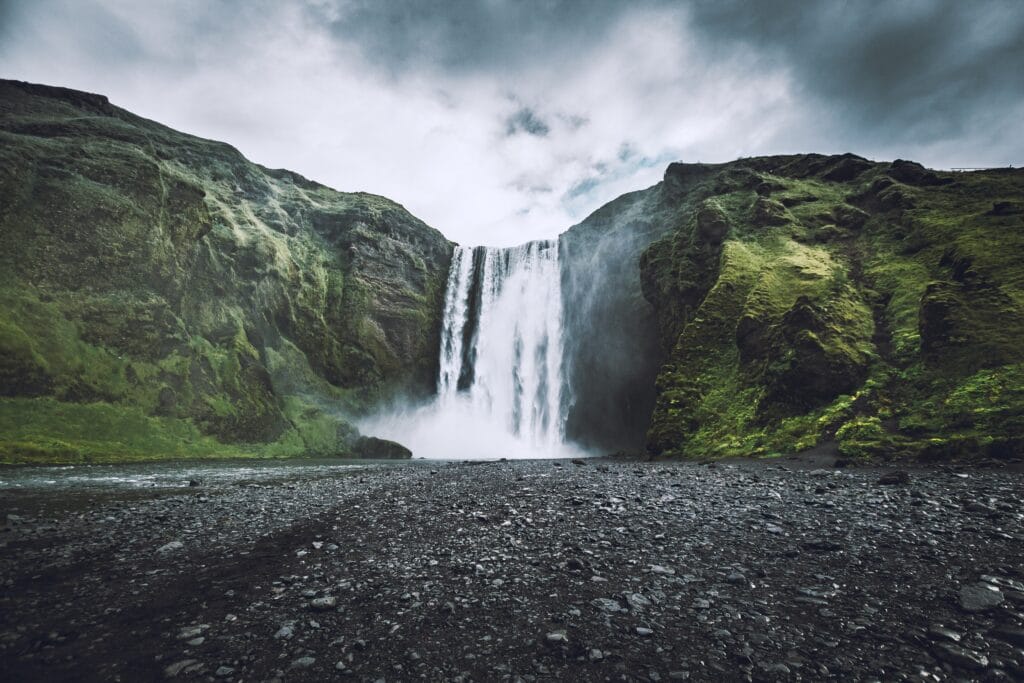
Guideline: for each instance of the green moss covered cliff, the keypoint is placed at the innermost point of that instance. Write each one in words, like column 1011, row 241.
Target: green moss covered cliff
column 810, row 300
column 161, row 296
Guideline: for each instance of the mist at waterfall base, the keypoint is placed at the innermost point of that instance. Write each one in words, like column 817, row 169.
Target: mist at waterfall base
column 501, row 388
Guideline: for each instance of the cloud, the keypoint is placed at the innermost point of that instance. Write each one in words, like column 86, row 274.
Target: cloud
column 500, row 121
column 526, row 121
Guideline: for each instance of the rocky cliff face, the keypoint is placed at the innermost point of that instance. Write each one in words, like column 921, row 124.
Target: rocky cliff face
column 162, row 296
column 807, row 301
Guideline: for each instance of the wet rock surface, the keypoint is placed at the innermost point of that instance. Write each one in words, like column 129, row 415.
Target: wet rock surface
column 524, row 571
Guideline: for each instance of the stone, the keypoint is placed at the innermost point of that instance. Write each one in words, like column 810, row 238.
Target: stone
column 894, row 478
column 607, row 605
column 1011, row 634
column 372, row 448
column 223, row 671
column 189, row 632
column 637, row 602
column 557, row 638
column 979, row 597
column 958, row 656
column 176, row 668
column 324, row 604
column 303, row 662
column 169, row 548
column 943, row 633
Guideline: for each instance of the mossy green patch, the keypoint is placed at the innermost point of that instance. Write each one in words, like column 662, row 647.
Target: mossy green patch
column 152, row 271
column 877, row 306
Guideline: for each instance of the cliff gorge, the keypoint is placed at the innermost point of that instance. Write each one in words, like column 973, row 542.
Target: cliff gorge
column 163, row 296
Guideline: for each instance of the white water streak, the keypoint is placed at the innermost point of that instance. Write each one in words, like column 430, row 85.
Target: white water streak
column 514, row 405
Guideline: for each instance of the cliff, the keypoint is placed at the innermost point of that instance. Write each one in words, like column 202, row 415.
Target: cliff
column 162, row 296
column 812, row 301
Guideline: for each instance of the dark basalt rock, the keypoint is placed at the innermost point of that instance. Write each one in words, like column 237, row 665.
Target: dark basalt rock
column 847, row 169
column 1006, row 209
column 372, row 448
column 768, row 212
column 712, row 223
column 913, row 173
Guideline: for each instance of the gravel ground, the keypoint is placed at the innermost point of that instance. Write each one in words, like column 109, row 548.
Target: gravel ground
column 524, row 571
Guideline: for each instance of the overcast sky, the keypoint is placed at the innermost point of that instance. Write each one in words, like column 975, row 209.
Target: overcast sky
column 498, row 121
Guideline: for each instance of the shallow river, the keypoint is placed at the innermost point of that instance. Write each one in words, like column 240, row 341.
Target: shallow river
column 172, row 475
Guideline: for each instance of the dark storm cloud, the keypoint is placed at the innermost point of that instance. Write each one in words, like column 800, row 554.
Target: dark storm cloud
column 470, row 35
column 526, row 121
column 535, row 112
column 919, row 68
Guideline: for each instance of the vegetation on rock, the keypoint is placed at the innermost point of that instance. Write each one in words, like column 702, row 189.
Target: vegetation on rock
column 809, row 299
column 161, row 296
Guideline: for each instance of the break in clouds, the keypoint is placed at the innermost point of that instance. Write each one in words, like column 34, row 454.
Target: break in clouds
column 499, row 122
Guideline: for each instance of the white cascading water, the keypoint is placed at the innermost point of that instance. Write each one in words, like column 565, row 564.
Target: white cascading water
column 500, row 386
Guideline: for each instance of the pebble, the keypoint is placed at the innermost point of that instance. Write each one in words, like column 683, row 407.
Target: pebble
column 328, row 602
column 690, row 574
column 169, row 548
column 557, row 638
column 180, row 666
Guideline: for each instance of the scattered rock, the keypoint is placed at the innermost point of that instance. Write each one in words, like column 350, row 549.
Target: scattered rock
column 372, row 448
column 324, row 604
column 607, row 605
column 979, row 597
column 894, row 478
column 1010, row 634
column 169, row 548
column 557, row 638
column 303, row 662
column 958, row 656
column 181, row 666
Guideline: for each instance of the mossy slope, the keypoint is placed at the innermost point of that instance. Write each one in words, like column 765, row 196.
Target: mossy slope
column 161, row 296
column 808, row 299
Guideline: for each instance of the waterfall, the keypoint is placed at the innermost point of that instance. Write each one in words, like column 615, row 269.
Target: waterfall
column 501, row 390
column 501, row 339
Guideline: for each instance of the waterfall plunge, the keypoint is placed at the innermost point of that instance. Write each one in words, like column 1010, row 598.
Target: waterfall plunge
column 500, row 386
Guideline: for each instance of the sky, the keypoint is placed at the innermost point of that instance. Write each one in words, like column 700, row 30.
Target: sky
column 502, row 121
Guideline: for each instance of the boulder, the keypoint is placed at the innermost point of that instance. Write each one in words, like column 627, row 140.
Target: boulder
column 372, row 448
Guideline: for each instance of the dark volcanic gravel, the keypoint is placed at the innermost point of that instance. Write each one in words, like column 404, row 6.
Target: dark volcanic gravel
column 525, row 571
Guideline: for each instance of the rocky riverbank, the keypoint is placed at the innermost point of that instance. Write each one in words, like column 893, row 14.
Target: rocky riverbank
column 528, row 570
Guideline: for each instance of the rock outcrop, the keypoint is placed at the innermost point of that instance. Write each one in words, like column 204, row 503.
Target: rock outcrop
column 810, row 299
column 163, row 296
